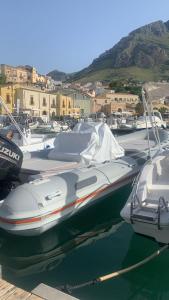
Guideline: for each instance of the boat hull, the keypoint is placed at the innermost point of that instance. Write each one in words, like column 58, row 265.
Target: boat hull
column 151, row 230
column 37, row 225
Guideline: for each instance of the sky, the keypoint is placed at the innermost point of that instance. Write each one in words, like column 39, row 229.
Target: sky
column 68, row 34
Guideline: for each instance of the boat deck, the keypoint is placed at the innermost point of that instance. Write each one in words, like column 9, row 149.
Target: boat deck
column 42, row 165
column 137, row 145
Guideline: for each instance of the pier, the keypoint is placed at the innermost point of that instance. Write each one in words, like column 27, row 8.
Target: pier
column 42, row 291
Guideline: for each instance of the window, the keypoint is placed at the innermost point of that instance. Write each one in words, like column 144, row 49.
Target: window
column 8, row 100
column 44, row 113
column 105, row 101
column 63, row 104
column 44, row 102
column 53, row 102
column 69, row 105
column 31, row 100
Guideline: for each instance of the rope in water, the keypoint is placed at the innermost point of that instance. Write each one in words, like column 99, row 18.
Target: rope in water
column 70, row 288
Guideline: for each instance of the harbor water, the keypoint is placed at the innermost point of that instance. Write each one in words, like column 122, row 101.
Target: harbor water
column 92, row 243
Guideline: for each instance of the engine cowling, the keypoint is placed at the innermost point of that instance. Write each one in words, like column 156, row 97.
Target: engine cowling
column 11, row 158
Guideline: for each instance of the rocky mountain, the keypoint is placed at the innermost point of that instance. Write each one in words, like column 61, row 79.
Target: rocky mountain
column 142, row 55
column 58, row 75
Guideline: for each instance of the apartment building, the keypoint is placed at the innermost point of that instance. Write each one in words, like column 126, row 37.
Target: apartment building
column 7, row 92
column 36, row 102
column 21, row 74
column 80, row 100
column 65, row 106
column 39, row 103
column 113, row 102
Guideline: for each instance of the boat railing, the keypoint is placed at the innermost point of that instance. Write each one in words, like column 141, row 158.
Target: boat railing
column 135, row 202
column 162, row 204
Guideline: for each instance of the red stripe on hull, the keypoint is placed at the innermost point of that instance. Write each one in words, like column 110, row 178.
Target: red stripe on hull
column 81, row 200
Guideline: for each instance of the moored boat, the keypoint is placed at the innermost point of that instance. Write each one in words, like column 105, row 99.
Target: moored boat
column 84, row 166
column 147, row 208
column 92, row 166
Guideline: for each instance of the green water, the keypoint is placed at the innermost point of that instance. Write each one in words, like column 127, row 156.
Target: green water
column 91, row 244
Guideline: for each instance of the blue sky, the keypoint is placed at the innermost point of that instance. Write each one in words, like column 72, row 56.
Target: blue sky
column 68, row 34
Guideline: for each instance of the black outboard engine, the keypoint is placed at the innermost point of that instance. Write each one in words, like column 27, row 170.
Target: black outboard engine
column 11, row 158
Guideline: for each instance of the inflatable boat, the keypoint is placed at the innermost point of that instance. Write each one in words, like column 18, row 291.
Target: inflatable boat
column 84, row 166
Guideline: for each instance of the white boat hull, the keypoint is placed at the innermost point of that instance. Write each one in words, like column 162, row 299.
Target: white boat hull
column 37, row 206
column 151, row 230
column 147, row 208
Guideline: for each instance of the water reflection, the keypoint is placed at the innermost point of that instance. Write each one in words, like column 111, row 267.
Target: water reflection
column 91, row 244
column 24, row 256
column 151, row 280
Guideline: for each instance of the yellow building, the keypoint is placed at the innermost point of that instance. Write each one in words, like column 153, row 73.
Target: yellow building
column 7, row 92
column 65, row 106
column 36, row 102
column 21, row 74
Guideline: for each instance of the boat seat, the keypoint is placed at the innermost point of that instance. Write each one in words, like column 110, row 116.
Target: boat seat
column 69, row 146
column 158, row 187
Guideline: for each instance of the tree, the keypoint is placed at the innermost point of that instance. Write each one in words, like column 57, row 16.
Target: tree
column 139, row 109
column 2, row 79
column 121, row 86
column 162, row 109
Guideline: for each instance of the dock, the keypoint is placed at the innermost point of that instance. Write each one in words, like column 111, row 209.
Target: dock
column 9, row 291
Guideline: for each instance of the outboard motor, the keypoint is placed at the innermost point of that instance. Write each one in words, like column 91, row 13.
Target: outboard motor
column 11, row 158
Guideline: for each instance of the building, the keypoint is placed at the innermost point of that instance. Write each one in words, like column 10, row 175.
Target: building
column 65, row 107
column 111, row 107
column 36, row 102
column 83, row 102
column 114, row 102
column 99, row 102
column 80, row 101
column 22, row 74
column 7, row 92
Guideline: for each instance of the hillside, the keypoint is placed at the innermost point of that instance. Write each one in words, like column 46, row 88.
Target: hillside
column 58, row 75
column 142, row 55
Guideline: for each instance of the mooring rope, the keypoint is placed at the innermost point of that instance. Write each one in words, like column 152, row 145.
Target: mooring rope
column 68, row 288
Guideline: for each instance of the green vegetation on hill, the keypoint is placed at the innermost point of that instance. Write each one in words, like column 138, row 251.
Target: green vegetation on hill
column 126, row 86
column 2, row 79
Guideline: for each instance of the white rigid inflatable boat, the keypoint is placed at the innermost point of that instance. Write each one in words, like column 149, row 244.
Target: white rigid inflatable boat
column 87, row 164
column 147, row 208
